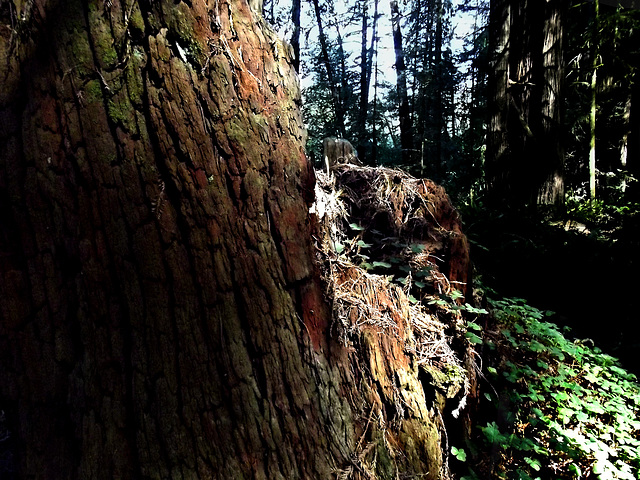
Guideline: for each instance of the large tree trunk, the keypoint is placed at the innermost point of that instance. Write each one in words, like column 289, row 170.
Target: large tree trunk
column 161, row 314
column 524, row 155
column 633, row 142
column 592, row 104
column 498, row 148
column 551, row 190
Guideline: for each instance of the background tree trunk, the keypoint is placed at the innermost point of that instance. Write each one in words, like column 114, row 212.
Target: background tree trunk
column 296, row 10
column 365, row 78
column 161, row 313
column 498, row 148
column 592, row 105
column 551, row 191
column 406, row 136
column 333, row 83
column 633, row 141
column 525, row 161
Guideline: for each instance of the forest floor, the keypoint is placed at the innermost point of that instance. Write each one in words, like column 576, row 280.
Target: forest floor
column 586, row 272
column 556, row 402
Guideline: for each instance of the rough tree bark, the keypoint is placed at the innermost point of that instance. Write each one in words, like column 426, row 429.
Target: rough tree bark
column 498, row 148
column 157, row 285
column 525, row 160
column 160, row 312
column 551, row 156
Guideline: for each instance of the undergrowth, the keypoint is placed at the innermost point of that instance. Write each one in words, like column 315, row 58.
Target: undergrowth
column 554, row 408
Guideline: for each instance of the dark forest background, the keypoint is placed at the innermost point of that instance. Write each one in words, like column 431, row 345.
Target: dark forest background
column 533, row 127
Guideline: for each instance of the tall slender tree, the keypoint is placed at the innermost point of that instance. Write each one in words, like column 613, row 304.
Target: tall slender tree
column 367, row 46
column 296, row 12
column 334, row 86
column 404, row 115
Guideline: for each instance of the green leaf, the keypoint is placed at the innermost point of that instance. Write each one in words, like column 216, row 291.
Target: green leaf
column 536, row 346
column 473, row 338
column 424, row 272
column 533, row 463
column 459, row 453
column 363, row 244
column 355, row 226
column 381, row 264
column 542, row 364
column 492, row 432
column 594, row 407
column 339, row 248
column 560, row 396
column 455, row 295
column 575, row 470
column 472, row 309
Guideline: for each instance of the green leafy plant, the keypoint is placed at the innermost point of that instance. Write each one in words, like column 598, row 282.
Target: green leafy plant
column 570, row 406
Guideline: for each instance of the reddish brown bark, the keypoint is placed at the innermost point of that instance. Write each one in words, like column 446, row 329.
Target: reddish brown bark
column 154, row 248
